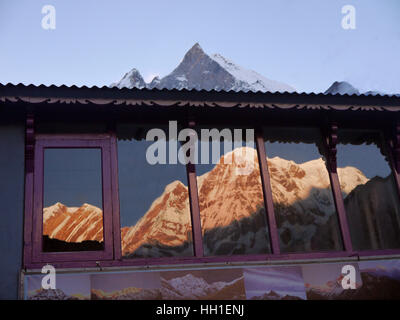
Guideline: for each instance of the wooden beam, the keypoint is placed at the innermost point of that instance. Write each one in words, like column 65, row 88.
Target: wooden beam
column 330, row 142
column 267, row 190
column 194, row 206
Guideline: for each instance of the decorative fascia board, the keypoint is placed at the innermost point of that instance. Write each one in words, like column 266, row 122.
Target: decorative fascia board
column 193, row 103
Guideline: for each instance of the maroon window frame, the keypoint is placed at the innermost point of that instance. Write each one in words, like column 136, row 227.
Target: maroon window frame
column 85, row 141
column 111, row 256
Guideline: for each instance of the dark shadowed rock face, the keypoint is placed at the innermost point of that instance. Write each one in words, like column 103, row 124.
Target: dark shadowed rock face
column 372, row 212
column 197, row 70
column 374, row 287
column 342, row 87
column 272, row 295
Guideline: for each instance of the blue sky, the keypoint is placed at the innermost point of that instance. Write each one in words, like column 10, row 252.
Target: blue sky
column 80, row 173
column 301, row 43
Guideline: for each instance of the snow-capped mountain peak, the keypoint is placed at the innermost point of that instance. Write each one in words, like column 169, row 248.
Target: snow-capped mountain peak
column 230, row 204
column 197, row 70
column 192, row 287
column 73, row 224
column 341, row 87
column 240, row 156
column 131, row 79
column 225, row 199
column 249, row 79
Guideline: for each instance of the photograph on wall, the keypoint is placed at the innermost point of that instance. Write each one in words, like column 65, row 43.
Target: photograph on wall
column 210, row 284
column 67, row 287
column 381, row 280
column 331, row 281
column 126, row 286
column 274, row 283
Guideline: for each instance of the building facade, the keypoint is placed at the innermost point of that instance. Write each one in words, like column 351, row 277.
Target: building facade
column 128, row 193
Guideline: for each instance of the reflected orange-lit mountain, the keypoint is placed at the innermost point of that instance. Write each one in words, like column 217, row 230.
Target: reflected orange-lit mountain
column 231, row 207
column 73, row 224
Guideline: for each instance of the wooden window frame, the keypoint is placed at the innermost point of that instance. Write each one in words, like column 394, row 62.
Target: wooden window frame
column 84, row 141
column 111, row 256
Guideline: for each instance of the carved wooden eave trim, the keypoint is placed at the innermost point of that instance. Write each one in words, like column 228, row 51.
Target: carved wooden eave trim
column 332, row 140
column 396, row 146
column 192, row 103
column 29, row 141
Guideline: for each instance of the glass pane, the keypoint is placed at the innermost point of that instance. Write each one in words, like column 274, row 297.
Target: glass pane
column 303, row 202
column 154, row 200
column 72, row 200
column 369, row 191
column 233, row 217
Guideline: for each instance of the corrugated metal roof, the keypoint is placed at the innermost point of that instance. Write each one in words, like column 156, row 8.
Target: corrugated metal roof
column 9, row 84
column 20, row 85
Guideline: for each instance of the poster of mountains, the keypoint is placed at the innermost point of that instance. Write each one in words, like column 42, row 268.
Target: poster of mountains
column 374, row 280
column 381, row 280
column 126, row 286
column 274, row 283
column 324, row 281
column 211, row 284
column 67, row 287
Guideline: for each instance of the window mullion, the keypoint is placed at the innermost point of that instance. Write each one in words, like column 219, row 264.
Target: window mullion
column 116, row 224
column 29, row 186
column 267, row 190
column 392, row 144
column 194, row 207
column 330, row 140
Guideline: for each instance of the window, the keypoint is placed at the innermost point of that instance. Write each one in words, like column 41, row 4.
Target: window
column 233, row 217
column 370, row 194
column 303, row 203
column 126, row 198
column 72, row 201
column 154, row 199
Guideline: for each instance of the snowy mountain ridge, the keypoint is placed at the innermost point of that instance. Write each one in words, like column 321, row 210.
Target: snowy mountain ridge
column 226, row 200
column 200, row 71
column 197, row 70
column 73, row 224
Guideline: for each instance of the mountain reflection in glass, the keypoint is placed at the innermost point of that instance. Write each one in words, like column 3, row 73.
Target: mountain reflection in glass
column 154, row 200
column 370, row 195
column 232, row 212
column 72, row 200
column 303, row 202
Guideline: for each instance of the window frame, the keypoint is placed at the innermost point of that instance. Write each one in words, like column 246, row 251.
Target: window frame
column 197, row 241
column 333, row 185
column 390, row 147
column 69, row 141
column 33, row 257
